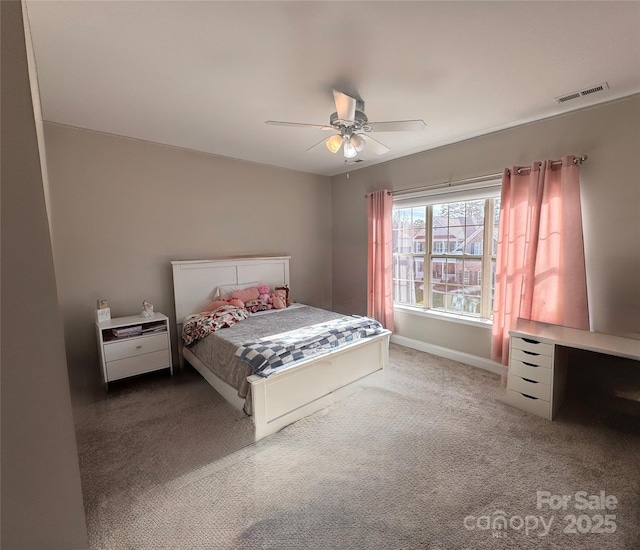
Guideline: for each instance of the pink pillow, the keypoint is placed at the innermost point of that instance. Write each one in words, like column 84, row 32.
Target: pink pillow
column 219, row 303
column 247, row 294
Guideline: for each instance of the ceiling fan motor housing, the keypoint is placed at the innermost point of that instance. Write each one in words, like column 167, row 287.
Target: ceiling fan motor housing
column 359, row 122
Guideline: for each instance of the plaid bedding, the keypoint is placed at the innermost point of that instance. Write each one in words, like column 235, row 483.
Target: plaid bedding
column 271, row 354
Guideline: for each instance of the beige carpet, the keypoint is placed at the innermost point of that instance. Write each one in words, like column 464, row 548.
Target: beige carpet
column 394, row 467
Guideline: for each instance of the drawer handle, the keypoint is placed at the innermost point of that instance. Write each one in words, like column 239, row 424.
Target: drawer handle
column 529, row 352
column 530, row 381
column 529, row 364
column 138, row 347
column 528, row 396
column 530, row 341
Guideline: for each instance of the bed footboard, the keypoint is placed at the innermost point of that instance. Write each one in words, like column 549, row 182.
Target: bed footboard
column 294, row 393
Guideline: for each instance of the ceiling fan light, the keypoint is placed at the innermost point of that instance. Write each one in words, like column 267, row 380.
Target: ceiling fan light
column 349, row 150
column 358, row 142
column 334, row 143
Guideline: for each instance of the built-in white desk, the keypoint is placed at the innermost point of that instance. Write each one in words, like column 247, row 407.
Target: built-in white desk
column 538, row 362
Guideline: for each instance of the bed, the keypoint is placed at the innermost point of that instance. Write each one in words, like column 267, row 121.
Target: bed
column 290, row 393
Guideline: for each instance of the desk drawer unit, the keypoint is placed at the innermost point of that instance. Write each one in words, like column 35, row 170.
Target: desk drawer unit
column 530, row 381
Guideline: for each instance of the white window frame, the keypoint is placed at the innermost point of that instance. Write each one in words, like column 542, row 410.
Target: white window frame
column 487, row 191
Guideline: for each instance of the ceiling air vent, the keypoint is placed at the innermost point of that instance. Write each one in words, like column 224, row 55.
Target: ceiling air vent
column 581, row 93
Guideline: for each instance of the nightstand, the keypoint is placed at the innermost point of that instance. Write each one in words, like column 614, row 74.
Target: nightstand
column 133, row 345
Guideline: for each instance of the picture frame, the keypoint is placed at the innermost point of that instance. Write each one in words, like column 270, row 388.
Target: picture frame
column 103, row 314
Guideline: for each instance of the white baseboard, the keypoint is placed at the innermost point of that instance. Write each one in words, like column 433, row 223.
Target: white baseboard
column 459, row 356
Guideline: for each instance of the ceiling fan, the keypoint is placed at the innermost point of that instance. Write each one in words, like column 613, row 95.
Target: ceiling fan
column 353, row 128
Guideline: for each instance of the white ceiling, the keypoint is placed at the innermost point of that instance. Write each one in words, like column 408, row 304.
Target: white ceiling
column 206, row 75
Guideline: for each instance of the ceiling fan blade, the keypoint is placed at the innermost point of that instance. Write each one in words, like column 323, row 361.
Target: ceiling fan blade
column 374, row 146
column 395, row 126
column 345, row 106
column 298, row 125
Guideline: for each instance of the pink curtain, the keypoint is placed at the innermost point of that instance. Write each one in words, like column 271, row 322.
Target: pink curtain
column 380, row 265
column 540, row 269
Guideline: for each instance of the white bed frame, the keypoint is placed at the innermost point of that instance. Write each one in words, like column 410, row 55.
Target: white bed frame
column 293, row 393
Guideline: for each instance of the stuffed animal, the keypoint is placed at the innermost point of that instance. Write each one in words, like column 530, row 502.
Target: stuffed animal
column 283, row 291
column 279, row 299
column 264, row 294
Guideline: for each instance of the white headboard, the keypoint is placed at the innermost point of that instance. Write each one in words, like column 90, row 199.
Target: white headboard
column 195, row 281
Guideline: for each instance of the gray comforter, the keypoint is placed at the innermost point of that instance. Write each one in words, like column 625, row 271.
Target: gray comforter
column 217, row 351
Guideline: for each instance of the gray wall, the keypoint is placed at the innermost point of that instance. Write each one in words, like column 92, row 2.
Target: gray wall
column 122, row 209
column 41, row 493
column 608, row 134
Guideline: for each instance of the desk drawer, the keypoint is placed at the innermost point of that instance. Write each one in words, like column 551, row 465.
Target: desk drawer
column 135, row 346
column 529, row 387
column 539, row 407
column 532, row 345
column 531, row 357
column 537, row 374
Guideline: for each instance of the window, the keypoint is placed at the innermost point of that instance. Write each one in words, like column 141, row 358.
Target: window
column 444, row 252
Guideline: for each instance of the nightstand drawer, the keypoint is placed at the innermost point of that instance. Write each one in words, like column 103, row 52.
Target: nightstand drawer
column 531, row 358
column 137, row 365
column 114, row 351
column 529, row 387
column 532, row 345
column 539, row 407
column 537, row 374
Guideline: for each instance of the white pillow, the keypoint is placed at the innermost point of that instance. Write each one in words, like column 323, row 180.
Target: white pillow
column 224, row 291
